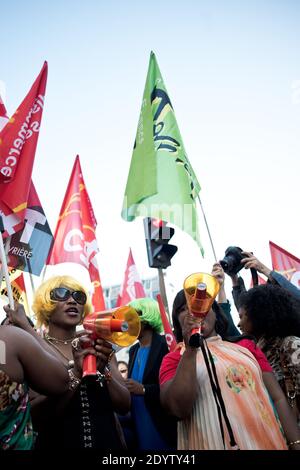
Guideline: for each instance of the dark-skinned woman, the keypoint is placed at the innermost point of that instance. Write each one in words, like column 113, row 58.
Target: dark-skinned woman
column 272, row 315
column 245, row 386
column 84, row 417
column 24, row 363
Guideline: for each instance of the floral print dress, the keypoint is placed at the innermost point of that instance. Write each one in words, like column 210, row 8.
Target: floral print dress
column 15, row 420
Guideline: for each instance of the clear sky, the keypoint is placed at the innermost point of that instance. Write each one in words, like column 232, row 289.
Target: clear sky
column 232, row 71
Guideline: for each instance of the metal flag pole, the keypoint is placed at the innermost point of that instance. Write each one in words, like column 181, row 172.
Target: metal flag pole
column 6, row 274
column 44, row 272
column 162, row 289
column 30, row 276
column 6, row 248
column 211, row 242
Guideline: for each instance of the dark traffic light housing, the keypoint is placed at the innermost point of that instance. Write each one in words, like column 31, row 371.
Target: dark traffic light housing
column 158, row 235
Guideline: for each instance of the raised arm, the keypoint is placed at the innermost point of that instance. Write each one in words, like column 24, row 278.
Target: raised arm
column 219, row 274
column 178, row 394
column 250, row 261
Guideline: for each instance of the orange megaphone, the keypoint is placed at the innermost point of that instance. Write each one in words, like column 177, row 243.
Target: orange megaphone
column 120, row 326
column 200, row 290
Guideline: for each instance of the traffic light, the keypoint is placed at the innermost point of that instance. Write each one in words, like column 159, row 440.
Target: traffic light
column 158, row 236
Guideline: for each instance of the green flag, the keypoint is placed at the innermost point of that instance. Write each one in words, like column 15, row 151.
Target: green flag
column 161, row 182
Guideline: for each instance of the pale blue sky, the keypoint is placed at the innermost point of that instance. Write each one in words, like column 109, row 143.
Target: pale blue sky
column 232, row 71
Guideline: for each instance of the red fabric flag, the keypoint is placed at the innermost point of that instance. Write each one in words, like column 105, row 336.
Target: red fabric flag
column 170, row 338
column 132, row 287
column 18, row 141
column 75, row 237
column 285, row 263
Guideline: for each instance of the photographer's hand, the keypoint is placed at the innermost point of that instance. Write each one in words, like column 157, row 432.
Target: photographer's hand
column 218, row 273
column 250, row 261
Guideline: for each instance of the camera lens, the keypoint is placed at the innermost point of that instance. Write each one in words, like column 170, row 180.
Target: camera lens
column 224, row 264
column 231, row 263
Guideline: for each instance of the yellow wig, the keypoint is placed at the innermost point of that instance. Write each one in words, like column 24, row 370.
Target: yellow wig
column 43, row 306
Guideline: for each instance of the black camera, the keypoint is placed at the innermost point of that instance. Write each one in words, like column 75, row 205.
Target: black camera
column 231, row 263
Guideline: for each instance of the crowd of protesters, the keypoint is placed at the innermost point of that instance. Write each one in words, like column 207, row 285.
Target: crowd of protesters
column 239, row 390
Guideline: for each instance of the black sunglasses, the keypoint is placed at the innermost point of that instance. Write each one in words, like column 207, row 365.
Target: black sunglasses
column 61, row 294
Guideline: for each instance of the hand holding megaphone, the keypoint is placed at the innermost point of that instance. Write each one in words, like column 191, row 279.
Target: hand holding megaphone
column 120, row 326
column 83, row 346
column 200, row 290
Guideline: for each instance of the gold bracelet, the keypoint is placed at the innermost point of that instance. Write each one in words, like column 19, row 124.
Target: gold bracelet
column 294, row 443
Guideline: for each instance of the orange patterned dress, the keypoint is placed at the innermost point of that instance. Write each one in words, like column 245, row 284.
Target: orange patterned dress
column 250, row 411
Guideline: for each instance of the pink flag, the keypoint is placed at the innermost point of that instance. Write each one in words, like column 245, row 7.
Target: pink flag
column 75, row 234
column 132, row 287
column 285, row 263
column 170, row 338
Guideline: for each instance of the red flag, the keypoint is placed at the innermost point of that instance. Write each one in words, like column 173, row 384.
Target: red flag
column 132, row 287
column 3, row 115
column 18, row 141
column 170, row 338
column 285, row 263
column 75, row 237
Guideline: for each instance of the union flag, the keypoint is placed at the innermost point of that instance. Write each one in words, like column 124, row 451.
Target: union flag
column 18, row 141
column 75, row 234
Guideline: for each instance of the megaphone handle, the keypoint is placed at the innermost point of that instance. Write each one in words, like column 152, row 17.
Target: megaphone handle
column 89, row 366
column 196, row 337
column 196, row 331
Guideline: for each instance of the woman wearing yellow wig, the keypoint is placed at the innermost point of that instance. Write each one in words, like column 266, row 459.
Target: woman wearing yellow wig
column 84, row 417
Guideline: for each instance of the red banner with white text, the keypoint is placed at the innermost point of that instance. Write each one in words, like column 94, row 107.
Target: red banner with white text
column 75, row 234
column 18, row 141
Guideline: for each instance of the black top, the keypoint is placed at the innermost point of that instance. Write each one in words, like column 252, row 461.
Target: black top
column 88, row 421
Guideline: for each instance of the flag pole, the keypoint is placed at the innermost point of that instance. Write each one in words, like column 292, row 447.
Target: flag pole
column 30, row 276
column 207, row 228
column 6, row 274
column 162, row 289
column 6, row 248
column 44, row 272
